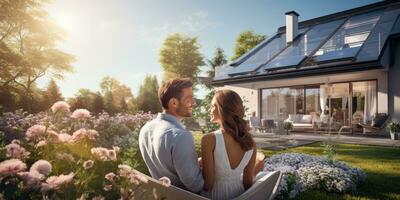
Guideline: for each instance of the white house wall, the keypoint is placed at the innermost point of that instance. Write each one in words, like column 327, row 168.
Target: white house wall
column 249, row 97
column 251, row 90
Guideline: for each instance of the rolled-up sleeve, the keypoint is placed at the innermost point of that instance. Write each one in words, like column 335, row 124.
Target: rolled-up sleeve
column 185, row 162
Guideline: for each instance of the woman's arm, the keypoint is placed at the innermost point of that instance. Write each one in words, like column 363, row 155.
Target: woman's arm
column 207, row 156
column 248, row 173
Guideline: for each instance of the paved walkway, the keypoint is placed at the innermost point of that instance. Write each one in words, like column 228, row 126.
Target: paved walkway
column 263, row 139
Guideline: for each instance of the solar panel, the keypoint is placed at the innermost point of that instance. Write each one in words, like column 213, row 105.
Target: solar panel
column 373, row 45
column 303, row 46
column 348, row 39
column 262, row 55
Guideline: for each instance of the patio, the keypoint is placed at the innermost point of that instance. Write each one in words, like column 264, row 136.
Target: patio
column 274, row 141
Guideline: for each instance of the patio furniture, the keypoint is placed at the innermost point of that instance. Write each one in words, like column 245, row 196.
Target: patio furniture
column 301, row 122
column 254, row 123
column 268, row 124
column 263, row 188
column 378, row 123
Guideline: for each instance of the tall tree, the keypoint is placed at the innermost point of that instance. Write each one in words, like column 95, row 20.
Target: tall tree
column 53, row 93
column 180, row 57
column 147, row 100
column 27, row 46
column 117, row 91
column 246, row 41
column 218, row 60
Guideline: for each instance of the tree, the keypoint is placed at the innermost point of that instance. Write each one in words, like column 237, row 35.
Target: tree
column 147, row 99
column 117, row 92
column 246, row 41
column 180, row 57
column 53, row 93
column 27, row 47
column 98, row 103
column 218, row 60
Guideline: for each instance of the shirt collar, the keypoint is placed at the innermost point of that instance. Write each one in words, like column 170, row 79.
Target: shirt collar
column 170, row 118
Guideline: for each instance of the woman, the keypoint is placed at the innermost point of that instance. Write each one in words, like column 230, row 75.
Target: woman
column 229, row 152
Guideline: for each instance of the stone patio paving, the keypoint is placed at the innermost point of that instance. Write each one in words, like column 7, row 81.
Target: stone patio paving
column 278, row 141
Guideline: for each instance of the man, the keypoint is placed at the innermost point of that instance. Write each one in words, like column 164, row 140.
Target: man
column 166, row 147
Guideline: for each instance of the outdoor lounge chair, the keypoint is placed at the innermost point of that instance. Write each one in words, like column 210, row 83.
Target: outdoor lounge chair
column 378, row 123
column 263, row 188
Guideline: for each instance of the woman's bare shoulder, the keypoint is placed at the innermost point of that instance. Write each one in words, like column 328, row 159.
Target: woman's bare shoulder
column 208, row 139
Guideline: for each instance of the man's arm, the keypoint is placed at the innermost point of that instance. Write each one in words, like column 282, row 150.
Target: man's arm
column 185, row 162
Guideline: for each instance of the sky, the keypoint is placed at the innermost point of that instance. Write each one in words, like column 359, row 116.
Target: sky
column 122, row 38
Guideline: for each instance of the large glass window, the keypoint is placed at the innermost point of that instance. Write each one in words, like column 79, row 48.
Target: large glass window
column 346, row 42
column 363, row 101
column 279, row 103
column 324, row 107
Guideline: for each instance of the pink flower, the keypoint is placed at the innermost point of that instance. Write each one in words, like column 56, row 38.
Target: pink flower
column 35, row 131
column 15, row 141
column 10, row 167
column 64, row 137
column 42, row 167
column 80, row 114
column 14, row 150
column 112, row 155
column 88, row 164
column 60, row 106
column 116, row 149
column 82, row 134
column 100, row 152
column 41, row 143
column 53, row 136
column 56, row 182
column 65, row 156
column 104, row 154
column 110, row 176
column 137, row 178
column 31, row 180
column 98, row 198
column 165, row 181
column 107, row 187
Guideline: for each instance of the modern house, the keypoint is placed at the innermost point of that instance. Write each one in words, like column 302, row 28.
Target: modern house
column 339, row 69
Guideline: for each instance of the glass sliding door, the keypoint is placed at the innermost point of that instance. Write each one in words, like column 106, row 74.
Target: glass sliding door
column 278, row 103
column 363, row 101
column 322, row 107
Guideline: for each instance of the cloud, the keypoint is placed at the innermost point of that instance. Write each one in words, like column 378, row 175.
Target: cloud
column 198, row 21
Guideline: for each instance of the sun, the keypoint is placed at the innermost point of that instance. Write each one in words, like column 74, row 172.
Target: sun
column 65, row 21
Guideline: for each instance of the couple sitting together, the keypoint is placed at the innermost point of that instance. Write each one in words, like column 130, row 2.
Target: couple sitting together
column 228, row 163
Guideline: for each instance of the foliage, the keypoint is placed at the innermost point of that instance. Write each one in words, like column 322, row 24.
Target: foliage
column 288, row 125
column 201, row 114
column 246, row 41
column 117, row 92
column 28, row 40
column 66, row 155
column 180, row 57
column 219, row 59
column 393, row 127
column 147, row 99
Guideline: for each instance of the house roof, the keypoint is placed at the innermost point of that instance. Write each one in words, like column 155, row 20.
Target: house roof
column 350, row 40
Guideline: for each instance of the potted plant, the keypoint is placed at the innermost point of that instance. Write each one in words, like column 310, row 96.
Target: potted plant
column 394, row 129
column 288, row 126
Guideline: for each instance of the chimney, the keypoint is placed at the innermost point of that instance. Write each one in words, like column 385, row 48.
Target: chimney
column 292, row 23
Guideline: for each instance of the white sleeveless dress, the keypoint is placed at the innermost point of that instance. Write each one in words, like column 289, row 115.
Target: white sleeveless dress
column 228, row 182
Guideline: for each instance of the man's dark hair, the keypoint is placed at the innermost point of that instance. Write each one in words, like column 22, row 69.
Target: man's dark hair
column 173, row 89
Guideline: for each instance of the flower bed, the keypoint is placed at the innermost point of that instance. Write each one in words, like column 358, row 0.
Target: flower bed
column 64, row 155
column 303, row 172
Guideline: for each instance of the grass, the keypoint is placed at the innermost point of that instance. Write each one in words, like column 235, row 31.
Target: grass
column 382, row 165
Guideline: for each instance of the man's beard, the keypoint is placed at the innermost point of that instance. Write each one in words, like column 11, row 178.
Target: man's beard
column 183, row 111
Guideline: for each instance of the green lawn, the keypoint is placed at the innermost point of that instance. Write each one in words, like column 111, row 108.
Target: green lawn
column 382, row 165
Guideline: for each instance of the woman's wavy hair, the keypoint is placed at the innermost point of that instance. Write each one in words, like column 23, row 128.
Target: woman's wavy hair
column 230, row 109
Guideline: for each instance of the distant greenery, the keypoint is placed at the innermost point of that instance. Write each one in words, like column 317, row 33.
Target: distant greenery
column 180, row 57
column 245, row 42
